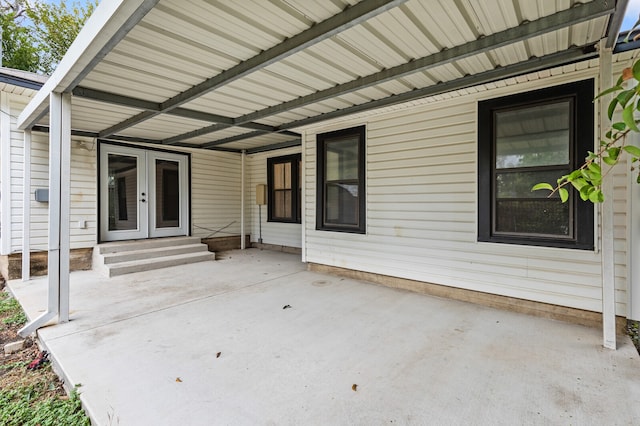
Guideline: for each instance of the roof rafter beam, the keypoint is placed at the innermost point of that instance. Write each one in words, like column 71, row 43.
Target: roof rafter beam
column 574, row 15
column 531, row 65
column 342, row 21
column 220, row 120
column 274, row 146
column 234, row 138
column 259, row 129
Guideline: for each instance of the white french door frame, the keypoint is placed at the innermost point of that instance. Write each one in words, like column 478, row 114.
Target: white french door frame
column 144, row 225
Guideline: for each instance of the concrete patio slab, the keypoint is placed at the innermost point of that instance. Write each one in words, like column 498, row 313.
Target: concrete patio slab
column 145, row 349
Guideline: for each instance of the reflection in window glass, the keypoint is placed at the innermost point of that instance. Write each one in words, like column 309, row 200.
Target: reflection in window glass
column 534, row 136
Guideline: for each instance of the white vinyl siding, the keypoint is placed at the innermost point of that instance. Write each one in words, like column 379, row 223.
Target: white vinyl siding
column 277, row 233
column 421, row 174
column 83, row 186
column 215, row 193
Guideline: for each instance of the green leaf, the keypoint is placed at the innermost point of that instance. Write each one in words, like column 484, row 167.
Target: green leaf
column 636, row 70
column 564, row 194
column 542, row 186
column 579, row 184
column 594, row 168
column 574, row 175
column 625, row 97
column 615, row 88
column 584, row 192
column 633, row 150
column 620, row 126
column 612, row 108
column 629, row 120
column 596, row 196
column 614, row 152
column 585, row 174
column 610, row 161
column 638, row 179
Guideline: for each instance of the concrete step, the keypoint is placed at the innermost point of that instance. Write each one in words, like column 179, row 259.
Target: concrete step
column 124, row 246
column 125, row 256
column 129, row 267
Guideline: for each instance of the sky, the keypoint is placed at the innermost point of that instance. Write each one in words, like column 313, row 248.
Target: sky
column 630, row 18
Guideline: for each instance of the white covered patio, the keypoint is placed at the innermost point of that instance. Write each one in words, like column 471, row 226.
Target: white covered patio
column 231, row 78
column 212, row 343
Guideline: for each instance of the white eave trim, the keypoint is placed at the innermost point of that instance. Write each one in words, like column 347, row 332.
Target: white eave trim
column 106, row 26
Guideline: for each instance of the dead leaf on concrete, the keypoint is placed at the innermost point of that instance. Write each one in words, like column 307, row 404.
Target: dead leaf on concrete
column 218, row 354
column 286, row 307
column 178, row 379
column 354, row 387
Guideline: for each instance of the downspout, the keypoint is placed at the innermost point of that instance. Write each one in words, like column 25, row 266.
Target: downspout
column 59, row 204
column 242, row 237
column 26, row 208
column 606, row 212
column 303, row 190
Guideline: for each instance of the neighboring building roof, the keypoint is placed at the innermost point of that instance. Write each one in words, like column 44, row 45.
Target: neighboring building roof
column 238, row 77
column 21, row 78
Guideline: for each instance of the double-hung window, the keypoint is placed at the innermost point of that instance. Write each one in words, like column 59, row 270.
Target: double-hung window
column 529, row 138
column 284, row 184
column 340, row 187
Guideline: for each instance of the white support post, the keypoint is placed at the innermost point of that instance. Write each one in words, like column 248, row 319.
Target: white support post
column 26, row 208
column 65, row 204
column 608, row 261
column 59, row 203
column 5, row 174
column 242, row 200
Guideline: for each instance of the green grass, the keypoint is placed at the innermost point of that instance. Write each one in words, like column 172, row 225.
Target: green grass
column 11, row 311
column 8, row 304
column 28, row 397
column 23, row 406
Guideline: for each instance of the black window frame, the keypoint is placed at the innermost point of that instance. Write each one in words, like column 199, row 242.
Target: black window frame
column 296, row 206
column 581, row 94
column 321, row 142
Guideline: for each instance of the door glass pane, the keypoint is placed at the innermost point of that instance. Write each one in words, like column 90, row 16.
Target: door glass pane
column 167, row 194
column 534, row 136
column 123, row 192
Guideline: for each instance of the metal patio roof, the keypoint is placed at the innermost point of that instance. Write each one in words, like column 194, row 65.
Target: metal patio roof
column 243, row 75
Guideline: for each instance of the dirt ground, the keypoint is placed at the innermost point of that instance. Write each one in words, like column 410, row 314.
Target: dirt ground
column 13, row 367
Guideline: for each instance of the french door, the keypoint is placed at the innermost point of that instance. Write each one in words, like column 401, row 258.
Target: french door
column 143, row 193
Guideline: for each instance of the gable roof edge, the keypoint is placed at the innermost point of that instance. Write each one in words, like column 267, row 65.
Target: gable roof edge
column 108, row 24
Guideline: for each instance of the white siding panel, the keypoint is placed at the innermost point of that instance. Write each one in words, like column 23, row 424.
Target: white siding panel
column 421, row 191
column 84, row 193
column 277, row 233
column 83, row 187
column 215, row 194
